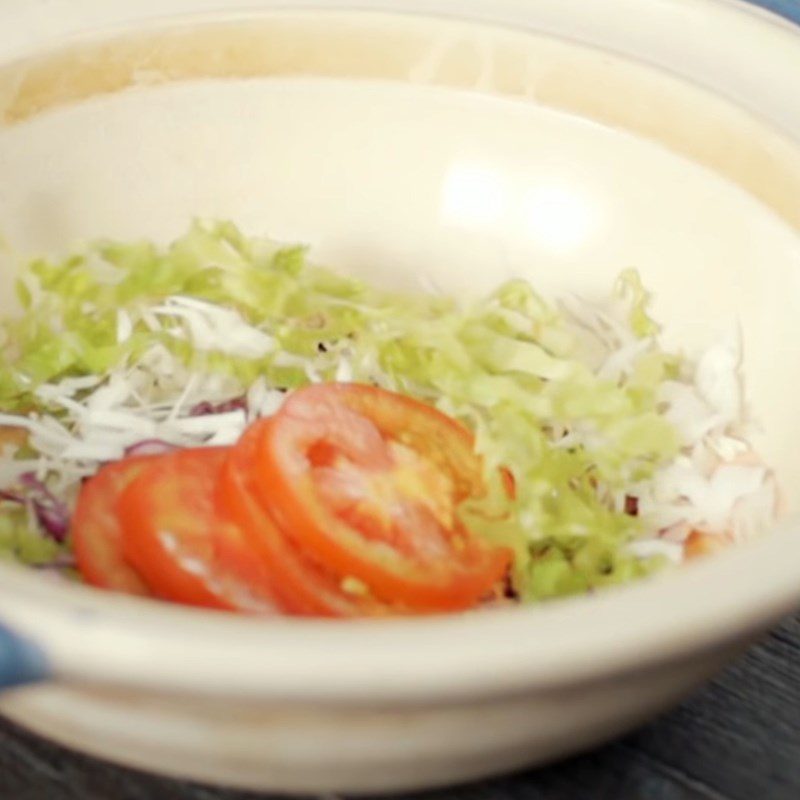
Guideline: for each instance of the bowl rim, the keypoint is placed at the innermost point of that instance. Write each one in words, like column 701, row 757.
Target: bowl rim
column 97, row 638
column 648, row 36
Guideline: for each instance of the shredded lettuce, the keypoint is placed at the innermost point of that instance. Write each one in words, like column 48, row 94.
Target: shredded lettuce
column 630, row 290
column 20, row 540
column 574, row 426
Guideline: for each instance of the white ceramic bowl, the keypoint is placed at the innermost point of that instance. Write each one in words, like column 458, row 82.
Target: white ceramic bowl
column 471, row 140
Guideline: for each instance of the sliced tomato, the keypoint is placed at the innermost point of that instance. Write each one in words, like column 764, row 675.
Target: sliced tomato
column 301, row 586
column 180, row 543
column 368, row 482
column 441, row 440
column 96, row 531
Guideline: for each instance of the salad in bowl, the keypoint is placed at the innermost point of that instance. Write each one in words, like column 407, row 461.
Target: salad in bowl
column 222, row 423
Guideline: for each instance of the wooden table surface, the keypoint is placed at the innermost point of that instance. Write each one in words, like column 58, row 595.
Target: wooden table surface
column 736, row 739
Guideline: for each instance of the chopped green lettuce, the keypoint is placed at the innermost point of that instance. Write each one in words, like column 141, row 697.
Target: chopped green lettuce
column 510, row 367
column 20, row 540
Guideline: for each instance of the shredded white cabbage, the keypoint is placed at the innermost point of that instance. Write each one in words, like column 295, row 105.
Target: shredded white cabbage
column 579, row 401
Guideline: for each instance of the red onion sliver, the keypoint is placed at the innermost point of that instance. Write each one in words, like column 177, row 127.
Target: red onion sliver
column 12, row 497
column 205, row 408
column 150, row 447
column 51, row 513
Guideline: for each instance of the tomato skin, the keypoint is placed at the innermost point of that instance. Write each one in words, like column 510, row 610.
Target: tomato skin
column 177, row 539
column 450, row 571
column 96, row 531
column 301, row 586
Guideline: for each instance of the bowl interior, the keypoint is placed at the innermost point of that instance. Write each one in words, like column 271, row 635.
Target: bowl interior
column 411, row 165
column 416, row 152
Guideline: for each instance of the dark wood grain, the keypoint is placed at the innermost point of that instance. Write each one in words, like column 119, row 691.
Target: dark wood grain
column 736, row 739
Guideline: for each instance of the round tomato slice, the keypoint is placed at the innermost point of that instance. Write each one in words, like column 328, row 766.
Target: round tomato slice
column 179, row 542
column 96, row 531
column 368, row 483
column 301, row 586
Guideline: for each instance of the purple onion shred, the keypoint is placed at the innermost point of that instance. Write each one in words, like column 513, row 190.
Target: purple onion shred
column 12, row 497
column 150, row 447
column 205, row 408
column 51, row 513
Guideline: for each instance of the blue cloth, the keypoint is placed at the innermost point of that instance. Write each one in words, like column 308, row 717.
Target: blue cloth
column 21, row 661
column 787, row 8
